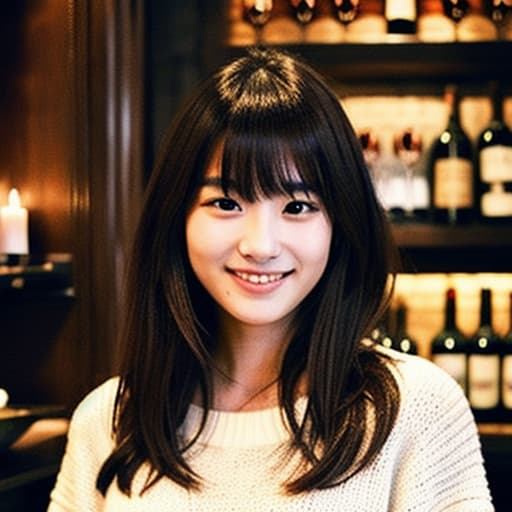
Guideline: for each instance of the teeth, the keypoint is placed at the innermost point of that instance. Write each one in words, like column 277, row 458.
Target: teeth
column 259, row 278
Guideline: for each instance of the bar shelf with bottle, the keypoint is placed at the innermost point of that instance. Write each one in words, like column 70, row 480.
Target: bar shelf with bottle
column 434, row 62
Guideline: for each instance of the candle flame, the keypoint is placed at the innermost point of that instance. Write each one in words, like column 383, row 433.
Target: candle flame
column 14, row 198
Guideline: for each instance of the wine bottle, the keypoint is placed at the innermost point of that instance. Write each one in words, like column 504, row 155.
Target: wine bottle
column 484, row 365
column 370, row 25
column 452, row 169
column 506, row 370
column 433, row 24
column 401, row 16
column 495, row 165
column 402, row 341
column 475, row 25
column 325, row 26
column 449, row 346
column 281, row 26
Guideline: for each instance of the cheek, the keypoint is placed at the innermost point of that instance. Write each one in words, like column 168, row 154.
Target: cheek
column 204, row 240
column 316, row 243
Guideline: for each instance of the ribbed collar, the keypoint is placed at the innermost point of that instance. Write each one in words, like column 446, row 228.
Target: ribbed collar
column 246, row 429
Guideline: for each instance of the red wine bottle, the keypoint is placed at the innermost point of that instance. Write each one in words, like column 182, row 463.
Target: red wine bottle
column 380, row 334
column 449, row 347
column 402, row 340
column 452, row 169
column 495, row 165
column 484, row 365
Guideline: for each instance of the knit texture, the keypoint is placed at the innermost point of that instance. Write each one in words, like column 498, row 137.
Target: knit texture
column 431, row 461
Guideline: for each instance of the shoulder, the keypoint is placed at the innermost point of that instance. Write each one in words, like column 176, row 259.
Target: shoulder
column 428, row 395
column 415, row 373
column 96, row 410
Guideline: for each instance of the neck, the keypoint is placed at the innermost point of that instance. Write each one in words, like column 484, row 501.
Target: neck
column 249, row 360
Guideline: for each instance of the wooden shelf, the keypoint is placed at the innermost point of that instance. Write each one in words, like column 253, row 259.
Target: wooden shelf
column 413, row 235
column 471, row 248
column 439, row 62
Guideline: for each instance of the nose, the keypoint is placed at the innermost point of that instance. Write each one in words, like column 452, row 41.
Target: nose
column 259, row 239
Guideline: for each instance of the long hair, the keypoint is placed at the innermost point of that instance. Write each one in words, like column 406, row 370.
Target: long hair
column 265, row 108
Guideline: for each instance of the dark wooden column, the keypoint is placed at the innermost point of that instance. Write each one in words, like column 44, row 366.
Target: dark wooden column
column 109, row 75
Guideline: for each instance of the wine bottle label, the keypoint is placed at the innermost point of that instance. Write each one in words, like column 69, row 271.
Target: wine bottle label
column 453, row 183
column 454, row 365
column 506, row 381
column 436, row 28
column 401, row 9
column 367, row 28
column 476, row 27
column 496, row 203
column 483, row 380
column 496, row 164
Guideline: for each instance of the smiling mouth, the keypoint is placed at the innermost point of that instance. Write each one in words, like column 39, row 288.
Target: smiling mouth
column 260, row 278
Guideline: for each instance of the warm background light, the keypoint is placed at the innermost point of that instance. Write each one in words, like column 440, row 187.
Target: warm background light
column 424, row 296
column 13, row 226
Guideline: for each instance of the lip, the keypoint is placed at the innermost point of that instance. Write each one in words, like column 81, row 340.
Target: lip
column 258, row 281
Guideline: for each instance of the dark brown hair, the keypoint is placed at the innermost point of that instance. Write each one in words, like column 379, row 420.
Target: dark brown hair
column 265, row 108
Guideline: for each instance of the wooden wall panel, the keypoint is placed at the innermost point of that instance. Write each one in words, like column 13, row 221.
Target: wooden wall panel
column 71, row 140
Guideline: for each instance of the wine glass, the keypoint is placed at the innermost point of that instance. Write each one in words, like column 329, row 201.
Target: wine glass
column 407, row 145
column 371, row 153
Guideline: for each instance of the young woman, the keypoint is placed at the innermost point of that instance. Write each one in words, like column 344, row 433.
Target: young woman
column 261, row 263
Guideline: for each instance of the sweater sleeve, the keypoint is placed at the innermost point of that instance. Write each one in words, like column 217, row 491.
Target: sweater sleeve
column 89, row 443
column 441, row 468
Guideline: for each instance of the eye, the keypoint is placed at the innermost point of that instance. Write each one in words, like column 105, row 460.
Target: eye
column 298, row 207
column 225, row 203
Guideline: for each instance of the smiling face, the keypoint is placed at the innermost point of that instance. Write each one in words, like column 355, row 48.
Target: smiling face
column 257, row 259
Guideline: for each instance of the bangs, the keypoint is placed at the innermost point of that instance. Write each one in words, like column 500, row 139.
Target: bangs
column 260, row 163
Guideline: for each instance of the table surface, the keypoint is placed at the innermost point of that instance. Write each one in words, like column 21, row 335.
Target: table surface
column 35, row 456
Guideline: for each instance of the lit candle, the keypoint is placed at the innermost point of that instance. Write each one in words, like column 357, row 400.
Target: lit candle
column 13, row 226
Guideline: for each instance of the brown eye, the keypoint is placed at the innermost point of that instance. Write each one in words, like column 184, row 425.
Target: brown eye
column 298, row 207
column 226, row 204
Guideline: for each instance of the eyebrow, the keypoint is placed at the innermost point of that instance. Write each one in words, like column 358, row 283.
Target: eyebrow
column 290, row 186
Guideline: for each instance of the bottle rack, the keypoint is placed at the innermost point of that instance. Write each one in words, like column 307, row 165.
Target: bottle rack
column 370, row 62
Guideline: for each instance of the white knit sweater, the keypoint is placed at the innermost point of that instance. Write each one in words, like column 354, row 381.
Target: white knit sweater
column 431, row 461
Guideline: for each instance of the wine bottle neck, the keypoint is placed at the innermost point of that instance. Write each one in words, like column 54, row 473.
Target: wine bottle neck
column 497, row 107
column 451, row 98
column 450, row 313
column 485, row 309
column 401, row 320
